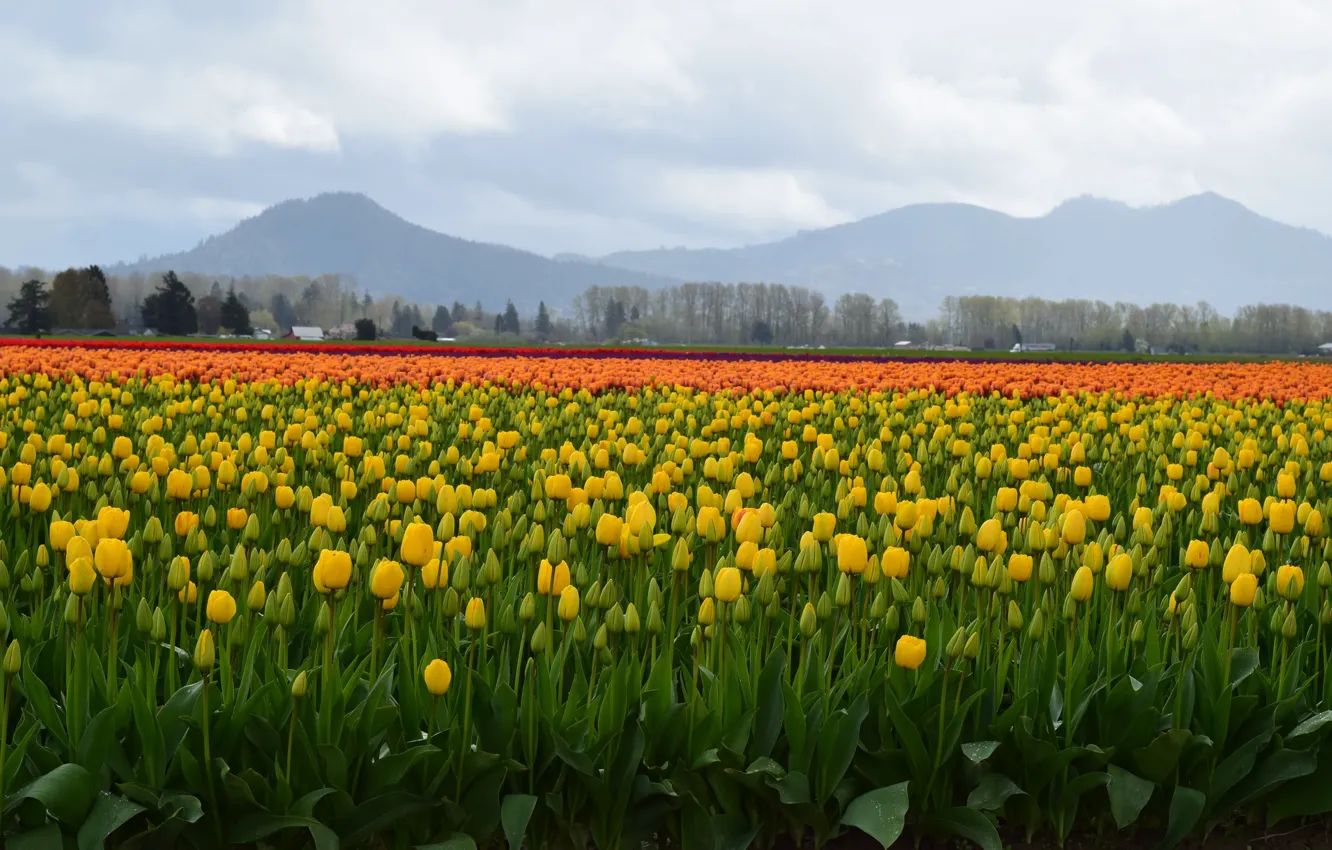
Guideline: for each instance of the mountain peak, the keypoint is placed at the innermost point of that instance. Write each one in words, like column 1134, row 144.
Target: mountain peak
column 1203, row 247
column 349, row 233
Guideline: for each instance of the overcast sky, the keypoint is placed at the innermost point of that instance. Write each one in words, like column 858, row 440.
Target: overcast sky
column 136, row 127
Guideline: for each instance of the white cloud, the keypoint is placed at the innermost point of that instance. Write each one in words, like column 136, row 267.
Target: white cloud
column 638, row 121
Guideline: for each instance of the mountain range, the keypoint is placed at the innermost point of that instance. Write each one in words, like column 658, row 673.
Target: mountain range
column 346, row 233
column 1203, row 247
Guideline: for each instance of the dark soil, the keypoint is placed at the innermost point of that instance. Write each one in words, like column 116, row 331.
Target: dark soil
column 1313, row 835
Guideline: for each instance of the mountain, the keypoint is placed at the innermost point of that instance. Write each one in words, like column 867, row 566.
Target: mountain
column 1203, row 247
column 348, row 233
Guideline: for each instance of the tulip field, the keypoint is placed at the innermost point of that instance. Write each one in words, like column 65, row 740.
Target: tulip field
column 567, row 600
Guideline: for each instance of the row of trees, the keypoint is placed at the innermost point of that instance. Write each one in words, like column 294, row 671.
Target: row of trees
column 171, row 309
column 691, row 313
column 736, row 314
column 1081, row 324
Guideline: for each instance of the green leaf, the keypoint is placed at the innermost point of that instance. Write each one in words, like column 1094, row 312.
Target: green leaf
column 838, row 746
column 253, row 827
column 978, row 751
column 457, row 841
column 993, row 790
column 1311, row 724
column 880, row 813
column 39, row 698
column 98, row 739
column 67, row 792
column 1243, row 661
column 515, row 812
column 1129, row 793
column 1186, row 806
column 1157, row 760
column 768, row 722
column 108, row 814
column 43, row 838
column 966, row 823
column 1278, row 768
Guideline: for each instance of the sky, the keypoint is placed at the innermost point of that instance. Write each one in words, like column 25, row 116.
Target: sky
column 139, row 127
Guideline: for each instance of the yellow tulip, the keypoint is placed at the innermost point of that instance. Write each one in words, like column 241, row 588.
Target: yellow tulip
column 1243, row 590
column 221, row 607
column 909, row 652
column 438, row 677
column 726, row 586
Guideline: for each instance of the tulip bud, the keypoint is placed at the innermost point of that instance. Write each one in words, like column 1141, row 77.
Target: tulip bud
column 1014, row 616
column 809, row 621
column 972, row 648
column 1289, row 628
column 842, row 595
column 204, row 652
column 540, row 639
column 615, row 619
column 654, row 624
column 632, row 623
column 158, row 627
column 610, row 594
column 143, row 617
column 299, row 685
column 601, row 638
column 13, row 659
column 919, row 615
column 956, row 643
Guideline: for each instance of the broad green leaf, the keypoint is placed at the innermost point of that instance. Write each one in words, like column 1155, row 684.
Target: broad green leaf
column 108, row 814
column 993, row 790
column 515, row 812
column 457, row 841
column 768, row 721
column 253, row 827
column 1186, row 806
column 1129, row 793
column 1275, row 770
column 1311, row 724
column 42, row 838
column 67, row 792
column 966, row 823
column 880, row 813
column 978, row 751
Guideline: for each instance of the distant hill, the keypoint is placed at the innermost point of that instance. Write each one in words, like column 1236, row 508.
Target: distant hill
column 1203, row 247
column 348, row 233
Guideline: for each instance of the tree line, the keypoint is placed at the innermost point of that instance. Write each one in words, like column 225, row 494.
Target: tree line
column 687, row 314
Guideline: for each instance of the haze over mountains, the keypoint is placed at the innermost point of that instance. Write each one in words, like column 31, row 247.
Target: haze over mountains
column 1203, row 247
column 347, row 233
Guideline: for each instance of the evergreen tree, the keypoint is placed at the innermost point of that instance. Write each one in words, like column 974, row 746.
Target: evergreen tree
column 459, row 312
column 235, row 315
column 283, row 313
column 97, row 311
column 365, row 329
column 208, row 312
column 511, row 319
column 442, row 322
column 80, row 298
column 170, row 309
column 543, row 325
column 30, row 312
column 614, row 317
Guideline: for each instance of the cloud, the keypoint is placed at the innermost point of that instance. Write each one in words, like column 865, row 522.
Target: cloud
column 591, row 125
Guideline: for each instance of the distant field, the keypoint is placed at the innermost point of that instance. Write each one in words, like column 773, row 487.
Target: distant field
column 766, row 351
